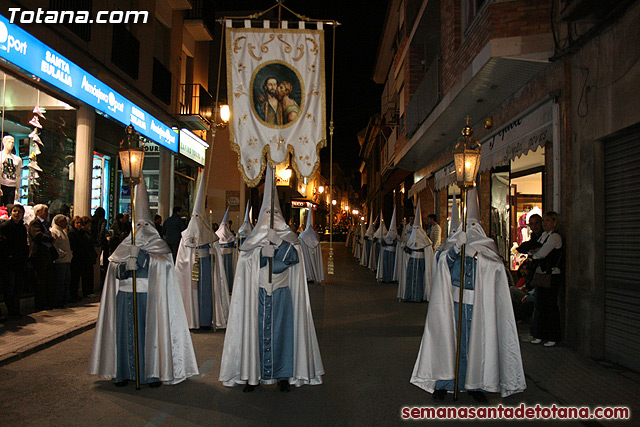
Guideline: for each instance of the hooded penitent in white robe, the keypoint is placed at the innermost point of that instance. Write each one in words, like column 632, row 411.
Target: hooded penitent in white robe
column 200, row 271
column 350, row 236
column 376, row 238
column 246, row 227
column 227, row 241
column 311, row 251
column 253, row 324
column 401, row 255
column 415, row 283
column 490, row 350
column 386, row 269
column 368, row 242
column 166, row 352
column 358, row 242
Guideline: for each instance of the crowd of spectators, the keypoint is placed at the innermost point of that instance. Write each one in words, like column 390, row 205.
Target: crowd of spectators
column 64, row 260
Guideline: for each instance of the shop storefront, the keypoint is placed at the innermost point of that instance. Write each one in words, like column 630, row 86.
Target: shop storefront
column 67, row 125
column 513, row 160
column 515, row 157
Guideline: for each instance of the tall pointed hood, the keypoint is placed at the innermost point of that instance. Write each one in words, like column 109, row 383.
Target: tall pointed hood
column 392, row 234
column 258, row 236
column 224, row 232
column 477, row 239
column 147, row 237
column 199, row 232
column 142, row 202
column 382, row 228
column 418, row 238
column 371, row 230
column 246, row 227
column 309, row 235
column 455, row 216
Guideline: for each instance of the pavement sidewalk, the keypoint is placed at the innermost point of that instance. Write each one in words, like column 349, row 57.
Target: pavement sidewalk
column 35, row 331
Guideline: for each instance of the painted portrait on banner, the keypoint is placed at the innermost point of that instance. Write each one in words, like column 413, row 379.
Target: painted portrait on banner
column 277, row 94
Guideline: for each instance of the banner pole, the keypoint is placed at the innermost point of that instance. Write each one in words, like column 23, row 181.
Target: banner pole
column 330, row 263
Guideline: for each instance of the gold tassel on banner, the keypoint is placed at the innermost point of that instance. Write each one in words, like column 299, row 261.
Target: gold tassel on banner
column 195, row 272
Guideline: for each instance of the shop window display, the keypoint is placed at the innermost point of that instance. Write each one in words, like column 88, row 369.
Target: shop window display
column 42, row 129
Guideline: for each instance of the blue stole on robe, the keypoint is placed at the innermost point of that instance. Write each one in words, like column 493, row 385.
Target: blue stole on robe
column 388, row 261
column 414, row 290
column 275, row 319
column 454, row 260
column 205, row 286
column 124, row 323
column 227, row 263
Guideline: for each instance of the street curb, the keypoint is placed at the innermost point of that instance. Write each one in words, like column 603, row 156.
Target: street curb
column 8, row 358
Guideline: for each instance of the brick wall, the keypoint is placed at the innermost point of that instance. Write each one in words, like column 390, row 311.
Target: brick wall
column 497, row 20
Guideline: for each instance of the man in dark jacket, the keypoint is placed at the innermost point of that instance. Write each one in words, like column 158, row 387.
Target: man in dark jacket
column 535, row 224
column 40, row 256
column 173, row 228
column 13, row 259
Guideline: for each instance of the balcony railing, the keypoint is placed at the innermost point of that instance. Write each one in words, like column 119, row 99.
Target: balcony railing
column 196, row 101
column 425, row 98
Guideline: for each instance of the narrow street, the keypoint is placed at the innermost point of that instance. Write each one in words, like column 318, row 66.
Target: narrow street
column 369, row 342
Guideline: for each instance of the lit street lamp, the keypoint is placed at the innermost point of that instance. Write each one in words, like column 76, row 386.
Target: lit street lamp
column 466, row 156
column 131, row 160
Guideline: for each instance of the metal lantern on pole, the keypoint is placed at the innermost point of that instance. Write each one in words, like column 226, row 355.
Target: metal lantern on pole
column 131, row 160
column 466, row 156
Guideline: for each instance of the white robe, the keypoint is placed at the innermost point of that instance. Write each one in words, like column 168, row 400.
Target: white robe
column 168, row 349
column 189, row 288
column 312, row 253
column 240, row 356
column 428, row 263
column 494, row 360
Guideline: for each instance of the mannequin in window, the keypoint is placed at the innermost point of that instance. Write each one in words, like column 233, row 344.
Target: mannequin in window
column 10, row 168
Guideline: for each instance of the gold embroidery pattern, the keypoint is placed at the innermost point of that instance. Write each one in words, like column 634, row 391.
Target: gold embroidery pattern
column 236, row 47
column 301, row 50
column 311, row 68
column 241, row 67
column 313, row 91
column 287, row 48
column 309, row 116
column 264, row 47
column 314, row 49
column 305, row 160
column 242, row 120
column 253, row 55
column 239, row 91
column 250, row 163
column 252, row 142
column 303, row 140
column 277, row 140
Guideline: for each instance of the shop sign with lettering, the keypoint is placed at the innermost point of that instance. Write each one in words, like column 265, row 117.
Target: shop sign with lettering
column 28, row 53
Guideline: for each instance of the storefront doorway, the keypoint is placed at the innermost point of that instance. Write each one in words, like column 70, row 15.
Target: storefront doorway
column 516, row 194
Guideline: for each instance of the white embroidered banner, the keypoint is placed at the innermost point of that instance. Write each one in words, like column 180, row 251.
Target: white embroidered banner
column 276, row 87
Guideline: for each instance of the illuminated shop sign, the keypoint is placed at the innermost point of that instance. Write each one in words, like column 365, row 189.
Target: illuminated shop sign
column 22, row 49
column 193, row 147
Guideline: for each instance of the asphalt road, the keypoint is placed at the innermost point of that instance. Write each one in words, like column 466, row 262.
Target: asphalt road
column 368, row 340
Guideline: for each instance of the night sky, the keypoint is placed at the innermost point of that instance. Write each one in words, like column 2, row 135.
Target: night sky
column 357, row 97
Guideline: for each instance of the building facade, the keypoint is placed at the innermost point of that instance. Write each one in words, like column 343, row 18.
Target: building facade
column 550, row 87
column 89, row 81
